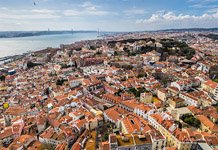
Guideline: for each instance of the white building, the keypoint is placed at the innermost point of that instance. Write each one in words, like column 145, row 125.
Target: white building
column 192, row 101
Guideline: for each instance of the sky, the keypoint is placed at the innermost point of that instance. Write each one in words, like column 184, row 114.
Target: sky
column 107, row 15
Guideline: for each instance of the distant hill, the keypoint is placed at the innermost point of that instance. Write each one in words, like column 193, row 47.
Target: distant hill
column 12, row 34
column 191, row 29
column 213, row 36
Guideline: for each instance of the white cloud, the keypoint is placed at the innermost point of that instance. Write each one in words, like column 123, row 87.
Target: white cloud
column 199, row 5
column 33, row 14
column 3, row 8
column 203, row 3
column 171, row 20
column 134, row 11
column 88, row 9
column 88, row 4
column 78, row 13
column 26, row 16
column 71, row 13
column 210, row 1
column 213, row 10
column 97, row 12
column 43, row 11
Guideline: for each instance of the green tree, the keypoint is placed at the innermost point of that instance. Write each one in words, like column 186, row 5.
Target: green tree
column 105, row 137
column 2, row 78
column 191, row 120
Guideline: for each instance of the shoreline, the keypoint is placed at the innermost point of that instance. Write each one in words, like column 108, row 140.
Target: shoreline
column 11, row 58
column 57, row 45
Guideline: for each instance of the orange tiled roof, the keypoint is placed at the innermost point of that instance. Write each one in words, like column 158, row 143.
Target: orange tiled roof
column 113, row 114
column 143, row 107
column 157, row 117
column 203, row 119
column 211, row 84
column 134, row 123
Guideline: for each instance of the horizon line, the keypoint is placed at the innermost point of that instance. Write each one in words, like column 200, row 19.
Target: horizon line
column 84, row 30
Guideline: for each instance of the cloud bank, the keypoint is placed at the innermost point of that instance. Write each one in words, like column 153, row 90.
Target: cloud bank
column 171, row 20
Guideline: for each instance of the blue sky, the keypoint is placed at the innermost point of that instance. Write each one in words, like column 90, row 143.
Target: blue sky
column 107, row 15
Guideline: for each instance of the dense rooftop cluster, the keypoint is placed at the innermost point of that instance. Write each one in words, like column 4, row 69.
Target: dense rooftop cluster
column 132, row 91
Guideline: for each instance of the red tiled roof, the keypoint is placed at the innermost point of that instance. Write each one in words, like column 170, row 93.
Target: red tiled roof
column 203, row 119
column 211, row 84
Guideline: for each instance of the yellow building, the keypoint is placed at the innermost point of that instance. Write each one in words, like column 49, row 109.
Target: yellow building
column 209, row 86
column 176, row 102
column 174, row 136
column 162, row 94
column 146, row 98
column 3, row 88
column 176, row 139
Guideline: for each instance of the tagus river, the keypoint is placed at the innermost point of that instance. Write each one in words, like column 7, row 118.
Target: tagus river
column 13, row 46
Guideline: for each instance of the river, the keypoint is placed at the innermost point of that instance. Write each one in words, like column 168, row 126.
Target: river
column 13, row 46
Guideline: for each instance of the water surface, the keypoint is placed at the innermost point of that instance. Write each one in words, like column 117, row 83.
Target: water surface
column 12, row 46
